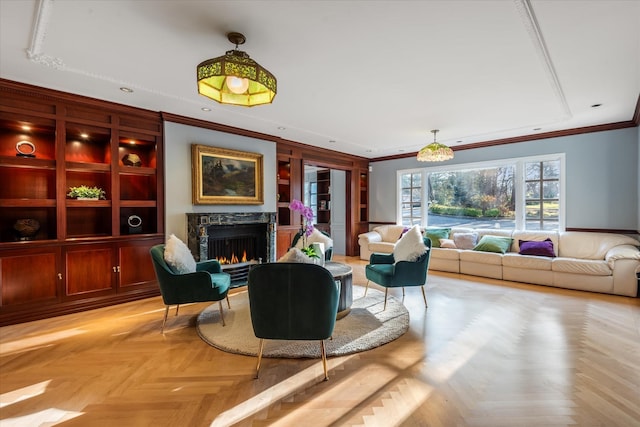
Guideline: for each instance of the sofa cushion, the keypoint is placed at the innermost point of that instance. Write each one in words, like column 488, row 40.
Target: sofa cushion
column 435, row 234
column 178, row 256
column 410, row 246
column 442, row 253
column 491, row 258
column 512, row 259
column 532, row 247
column 581, row 266
column 465, row 240
column 496, row 244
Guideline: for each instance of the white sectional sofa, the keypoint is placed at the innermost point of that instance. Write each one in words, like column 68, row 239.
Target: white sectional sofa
column 597, row 262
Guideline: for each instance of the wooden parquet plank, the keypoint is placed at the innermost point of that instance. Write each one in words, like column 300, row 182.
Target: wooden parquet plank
column 485, row 353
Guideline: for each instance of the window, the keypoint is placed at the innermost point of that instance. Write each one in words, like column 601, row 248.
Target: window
column 511, row 194
column 542, row 195
column 411, row 196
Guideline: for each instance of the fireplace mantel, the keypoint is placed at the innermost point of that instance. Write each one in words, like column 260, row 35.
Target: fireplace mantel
column 198, row 224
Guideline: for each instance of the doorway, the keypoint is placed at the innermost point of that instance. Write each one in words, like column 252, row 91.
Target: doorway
column 325, row 192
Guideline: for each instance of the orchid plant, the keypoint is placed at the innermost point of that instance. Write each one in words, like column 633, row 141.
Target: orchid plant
column 306, row 214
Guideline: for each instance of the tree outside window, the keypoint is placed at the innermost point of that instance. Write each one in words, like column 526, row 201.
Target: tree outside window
column 517, row 194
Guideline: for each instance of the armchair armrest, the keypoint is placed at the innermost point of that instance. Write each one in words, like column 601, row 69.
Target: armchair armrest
column 369, row 237
column 210, row 266
column 381, row 259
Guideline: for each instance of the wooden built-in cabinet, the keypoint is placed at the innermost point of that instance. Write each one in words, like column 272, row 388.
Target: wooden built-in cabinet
column 86, row 253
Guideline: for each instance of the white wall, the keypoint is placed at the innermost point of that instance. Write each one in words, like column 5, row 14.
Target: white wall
column 178, row 139
column 601, row 177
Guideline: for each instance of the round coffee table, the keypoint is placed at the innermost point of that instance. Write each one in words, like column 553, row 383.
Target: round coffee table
column 342, row 273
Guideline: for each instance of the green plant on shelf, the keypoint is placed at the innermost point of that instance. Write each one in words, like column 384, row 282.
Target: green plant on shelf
column 86, row 192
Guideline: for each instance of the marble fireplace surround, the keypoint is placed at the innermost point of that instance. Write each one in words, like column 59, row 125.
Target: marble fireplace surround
column 198, row 229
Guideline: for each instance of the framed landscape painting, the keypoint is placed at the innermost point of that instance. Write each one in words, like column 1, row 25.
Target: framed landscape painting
column 226, row 177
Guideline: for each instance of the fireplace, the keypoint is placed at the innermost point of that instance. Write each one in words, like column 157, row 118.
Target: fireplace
column 237, row 240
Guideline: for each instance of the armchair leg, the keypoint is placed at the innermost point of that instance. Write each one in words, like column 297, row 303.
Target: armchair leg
column 424, row 296
column 166, row 312
column 221, row 313
column 403, row 292
column 366, row 289
column 228, row 303
column 324, row 360
column 386, row 291
column 177, row 307
column 259, row 357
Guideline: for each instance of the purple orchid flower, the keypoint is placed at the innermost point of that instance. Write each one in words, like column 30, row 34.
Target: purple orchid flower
column 306, row 213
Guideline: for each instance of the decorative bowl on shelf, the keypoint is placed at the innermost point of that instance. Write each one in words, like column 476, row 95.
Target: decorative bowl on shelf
column 132, row 159
column 26, row 228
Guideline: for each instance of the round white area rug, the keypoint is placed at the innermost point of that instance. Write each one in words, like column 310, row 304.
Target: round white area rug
column 364, row 328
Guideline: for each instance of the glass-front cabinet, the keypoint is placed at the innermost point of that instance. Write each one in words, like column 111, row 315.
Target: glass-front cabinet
column 59, row 244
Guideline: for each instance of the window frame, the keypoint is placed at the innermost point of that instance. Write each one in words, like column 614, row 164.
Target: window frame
column 520, row 185
column 423, row 182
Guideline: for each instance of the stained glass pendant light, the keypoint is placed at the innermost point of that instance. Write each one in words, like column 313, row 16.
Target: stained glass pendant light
column 435, row 152
column 236, row 79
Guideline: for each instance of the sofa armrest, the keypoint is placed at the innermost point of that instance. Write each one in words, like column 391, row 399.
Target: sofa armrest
column 369, row 237
column 621, row 252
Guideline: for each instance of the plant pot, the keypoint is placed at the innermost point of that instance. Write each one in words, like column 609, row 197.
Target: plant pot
column 87, row 198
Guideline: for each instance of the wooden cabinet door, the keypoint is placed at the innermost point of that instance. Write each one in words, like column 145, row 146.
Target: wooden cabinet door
column 134, row 264
column 284, row 237
column 90, row 270
column 29, row 276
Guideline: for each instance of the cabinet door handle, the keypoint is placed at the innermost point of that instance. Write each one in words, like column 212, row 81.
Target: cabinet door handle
column 118, row 269
column 114, row 269
column 59, row 276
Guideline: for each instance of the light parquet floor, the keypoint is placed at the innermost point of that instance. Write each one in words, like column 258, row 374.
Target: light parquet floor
column 485, row 353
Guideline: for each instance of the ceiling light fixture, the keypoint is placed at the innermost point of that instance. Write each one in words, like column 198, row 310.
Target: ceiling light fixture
column 435, row 152
column 236, row 79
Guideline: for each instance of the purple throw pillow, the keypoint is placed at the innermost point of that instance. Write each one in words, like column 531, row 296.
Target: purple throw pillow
column 404, row 230
column 532, row 247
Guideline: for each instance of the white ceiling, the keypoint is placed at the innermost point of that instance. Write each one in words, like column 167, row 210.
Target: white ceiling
column 369, row 78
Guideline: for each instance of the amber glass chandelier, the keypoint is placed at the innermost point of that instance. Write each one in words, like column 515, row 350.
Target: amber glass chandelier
column 236, row 79
column 435, row 152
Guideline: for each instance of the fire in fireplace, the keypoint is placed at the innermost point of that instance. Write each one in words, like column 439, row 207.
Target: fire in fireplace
column 239, row 243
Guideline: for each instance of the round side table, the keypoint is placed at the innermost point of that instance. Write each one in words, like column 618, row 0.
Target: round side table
column 342, row 273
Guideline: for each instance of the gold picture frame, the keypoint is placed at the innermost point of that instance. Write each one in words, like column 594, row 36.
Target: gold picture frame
column 226, row 177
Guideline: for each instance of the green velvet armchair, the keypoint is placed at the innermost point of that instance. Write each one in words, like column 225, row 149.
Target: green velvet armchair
column 292, row 301
column 207, row 283
column 383, row 270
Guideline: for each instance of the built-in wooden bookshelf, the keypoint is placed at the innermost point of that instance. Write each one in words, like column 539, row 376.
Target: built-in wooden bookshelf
column 57, row 254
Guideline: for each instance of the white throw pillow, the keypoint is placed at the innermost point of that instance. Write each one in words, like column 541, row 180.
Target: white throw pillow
column 410, row 246
column 178, row 256
column 447, row 243
column 465, row 240
column 316, row 236
column 296, row 255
